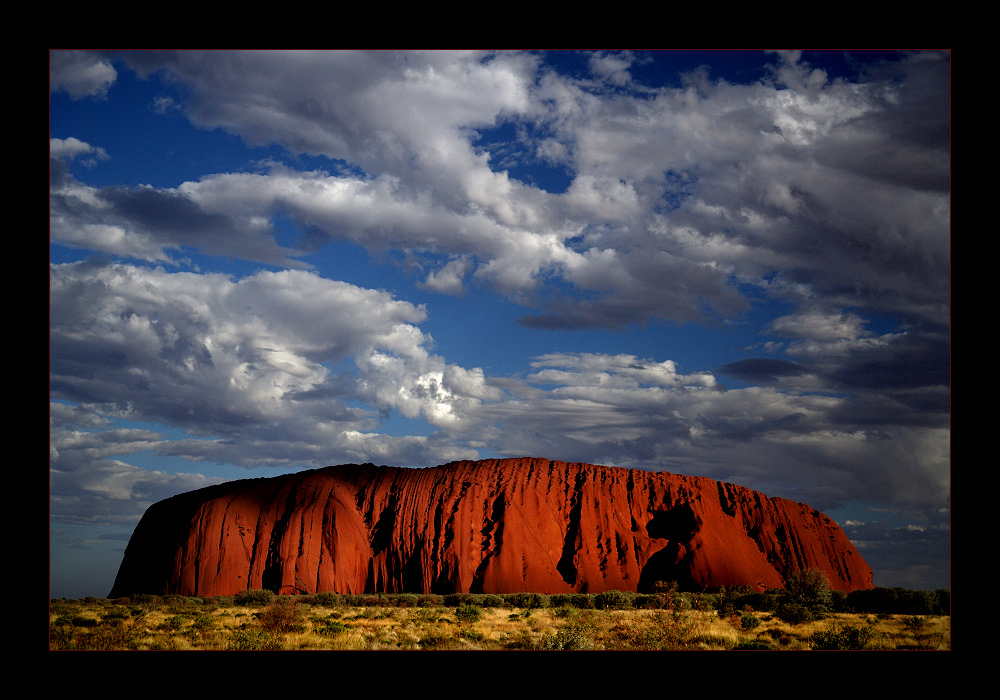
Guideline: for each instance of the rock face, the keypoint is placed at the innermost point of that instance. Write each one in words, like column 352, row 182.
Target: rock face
column 493, row 526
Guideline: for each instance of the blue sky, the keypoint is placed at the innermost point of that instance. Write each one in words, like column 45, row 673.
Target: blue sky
column 728, row 264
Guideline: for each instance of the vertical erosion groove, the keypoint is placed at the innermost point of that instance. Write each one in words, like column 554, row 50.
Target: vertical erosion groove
column 567, row 562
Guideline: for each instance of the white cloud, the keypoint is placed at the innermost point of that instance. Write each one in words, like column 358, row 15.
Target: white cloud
column 245, row 346
column 72, row 148
column 409, row 120
column 80, row 73
column 449, row 279
column 278, row 356
column 820, row 325
column 612, row 67
column 589, row 369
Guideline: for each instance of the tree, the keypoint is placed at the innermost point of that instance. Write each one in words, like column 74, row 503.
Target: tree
column 807, row 596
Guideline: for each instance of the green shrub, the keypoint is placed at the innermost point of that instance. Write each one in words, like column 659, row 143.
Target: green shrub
column 793, row 613
column 526, row 600
column 753, row 644
column 146, row 599
column 849, row 637
column 657, row 601
column 253, row 639
column 453, row 600
column 760, row 601
column 472, row 635
column 520, row 640
column 942, row 601
column 806, row 596
column 437, row 640
column 203, row 622
column 326, row 599
column 282, row 617
column 82, row 621
column 899, row 601
column 612, row 600
column 564, row 611
column 466, row 612
column 808, row 586
column 114, row 615
column 674, row 629
column 749, row 621
column 255, row 596
column 838, row 601
column 699, row 601
column 578, row 635
column 662, row 630
column 174, row 622
column 725, row 601
column 108, row 637
column 331, row 628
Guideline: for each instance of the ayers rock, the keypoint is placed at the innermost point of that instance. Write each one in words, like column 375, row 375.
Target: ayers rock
column 492, row 526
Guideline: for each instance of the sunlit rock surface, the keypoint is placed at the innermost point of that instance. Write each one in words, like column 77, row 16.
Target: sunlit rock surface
column 492, row 526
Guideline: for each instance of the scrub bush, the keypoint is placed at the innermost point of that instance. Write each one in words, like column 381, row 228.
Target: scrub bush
column 467, row 612
column 253, row 639
column 281, row 617
column 849, row 637
column 806, row 596
column 332, row 628
column 793, row 613
column 326, row 599
column 253, row 597
column 526, row 600
column 753, row 645
column 899, row 601
column 612, row 600
column 810, row 588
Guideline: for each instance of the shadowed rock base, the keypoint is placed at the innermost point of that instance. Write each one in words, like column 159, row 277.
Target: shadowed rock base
column 492, row 526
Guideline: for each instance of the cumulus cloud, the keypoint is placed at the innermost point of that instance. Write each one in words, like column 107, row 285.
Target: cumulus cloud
column 80, row 73
column 73, row 148
column 652, row 225
column 278, row 363
column 149, row 224
column 612, row 67
column 449, row 279
column 277, row 357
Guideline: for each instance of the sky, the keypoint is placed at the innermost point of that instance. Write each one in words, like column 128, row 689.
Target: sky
column 729, row 264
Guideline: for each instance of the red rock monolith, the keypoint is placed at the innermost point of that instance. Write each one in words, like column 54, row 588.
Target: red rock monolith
column 492, row 526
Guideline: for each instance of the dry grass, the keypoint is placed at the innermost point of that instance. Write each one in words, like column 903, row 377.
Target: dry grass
column 106, row 624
